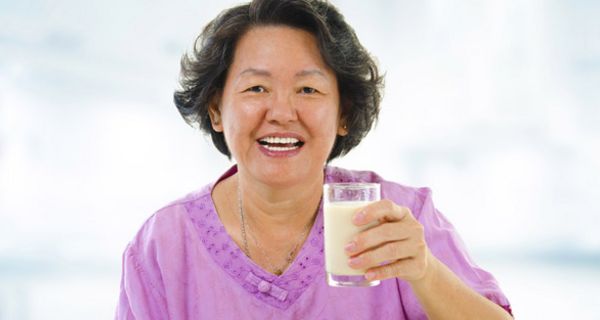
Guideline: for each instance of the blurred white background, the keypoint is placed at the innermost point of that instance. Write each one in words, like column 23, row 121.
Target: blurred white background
column 492, row 104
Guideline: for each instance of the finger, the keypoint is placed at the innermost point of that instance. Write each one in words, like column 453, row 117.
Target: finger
column 375, row 236
column 407, row 269
column 383, row 210
column 391, row 251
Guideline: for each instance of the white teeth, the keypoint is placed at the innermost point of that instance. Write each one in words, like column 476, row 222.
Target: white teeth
column 280, row 144
column 279, row 140
column 280, row 148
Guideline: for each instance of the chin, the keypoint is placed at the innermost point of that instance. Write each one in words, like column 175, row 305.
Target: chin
column 285, row 175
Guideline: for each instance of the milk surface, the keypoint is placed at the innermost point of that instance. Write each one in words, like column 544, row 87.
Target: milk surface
column 339, row 231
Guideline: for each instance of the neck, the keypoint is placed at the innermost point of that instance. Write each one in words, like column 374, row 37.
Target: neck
column 280, row 209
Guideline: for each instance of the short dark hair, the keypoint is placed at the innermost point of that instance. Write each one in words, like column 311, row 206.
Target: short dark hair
column 203, row 72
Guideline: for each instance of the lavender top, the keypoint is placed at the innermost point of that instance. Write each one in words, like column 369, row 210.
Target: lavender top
column 182, row 264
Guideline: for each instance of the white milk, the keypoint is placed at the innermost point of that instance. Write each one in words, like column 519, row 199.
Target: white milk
column 339, row 231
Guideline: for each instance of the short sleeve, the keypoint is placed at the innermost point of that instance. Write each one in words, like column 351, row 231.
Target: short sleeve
column 139, row 297
column 446, row 244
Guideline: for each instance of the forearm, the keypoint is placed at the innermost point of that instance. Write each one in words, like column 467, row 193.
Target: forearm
column 444, row 296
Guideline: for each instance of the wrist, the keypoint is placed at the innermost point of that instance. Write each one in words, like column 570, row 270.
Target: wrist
column 427, row 279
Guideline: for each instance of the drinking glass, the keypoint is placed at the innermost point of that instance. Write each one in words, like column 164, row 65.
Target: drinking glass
column 340, row 202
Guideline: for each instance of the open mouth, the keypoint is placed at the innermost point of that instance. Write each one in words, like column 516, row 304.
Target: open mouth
column 280, row 143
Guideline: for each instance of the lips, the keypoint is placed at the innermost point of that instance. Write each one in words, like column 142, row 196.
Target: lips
column 280, row 144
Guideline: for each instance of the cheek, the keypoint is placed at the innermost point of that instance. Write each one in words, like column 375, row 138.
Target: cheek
column 326, row 121
column 238, row 123
column 230, row 125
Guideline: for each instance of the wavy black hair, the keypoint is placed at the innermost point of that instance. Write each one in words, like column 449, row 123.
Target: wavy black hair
column 203, row 71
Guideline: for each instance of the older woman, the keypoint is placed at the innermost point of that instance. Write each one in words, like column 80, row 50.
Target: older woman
column 283, row 87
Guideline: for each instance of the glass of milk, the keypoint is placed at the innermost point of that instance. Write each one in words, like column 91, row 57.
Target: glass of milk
column 340, row 202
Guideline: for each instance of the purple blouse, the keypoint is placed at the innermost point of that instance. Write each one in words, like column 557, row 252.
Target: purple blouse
column 182, row 264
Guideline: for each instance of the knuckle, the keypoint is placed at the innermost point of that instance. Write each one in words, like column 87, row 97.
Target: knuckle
column 420, row 245
column 370, row 215
column 400, row 270
column 360, row 240
column 388, row 204
column 409, row 216
column 419, row 229
column 395, row 269
column 388, row 270
column 367, row 258
column 388, row 231
column 394, row 251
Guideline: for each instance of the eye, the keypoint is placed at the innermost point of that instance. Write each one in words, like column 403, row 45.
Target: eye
column 256, row 89
column 308, row 90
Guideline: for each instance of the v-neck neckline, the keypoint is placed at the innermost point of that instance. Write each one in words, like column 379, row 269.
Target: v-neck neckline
column 279, row 291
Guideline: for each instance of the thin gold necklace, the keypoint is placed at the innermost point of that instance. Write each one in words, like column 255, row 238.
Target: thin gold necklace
column 245, row 228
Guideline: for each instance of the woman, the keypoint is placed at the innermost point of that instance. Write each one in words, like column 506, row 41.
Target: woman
column 283, row 87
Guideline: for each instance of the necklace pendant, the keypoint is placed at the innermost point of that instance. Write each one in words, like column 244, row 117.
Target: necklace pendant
column 278, row 272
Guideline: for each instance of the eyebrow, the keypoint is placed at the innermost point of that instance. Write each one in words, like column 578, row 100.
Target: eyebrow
column 254, row 71
column 310, row 72
column 265, row 73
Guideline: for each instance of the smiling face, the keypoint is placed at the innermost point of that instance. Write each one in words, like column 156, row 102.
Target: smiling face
column 280, row 108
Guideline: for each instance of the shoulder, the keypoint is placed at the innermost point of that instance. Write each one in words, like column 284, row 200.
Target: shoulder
column 171, row 221
column 418, row 199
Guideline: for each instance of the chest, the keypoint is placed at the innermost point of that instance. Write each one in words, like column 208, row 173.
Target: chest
column 219, row 297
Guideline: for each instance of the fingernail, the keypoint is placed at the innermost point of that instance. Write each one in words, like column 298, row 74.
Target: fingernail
column 350, row 247
column 354, row 261
column 359, row 217
column 370, row 275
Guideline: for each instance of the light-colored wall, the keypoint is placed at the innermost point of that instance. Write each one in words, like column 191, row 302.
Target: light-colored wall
column 493, row 104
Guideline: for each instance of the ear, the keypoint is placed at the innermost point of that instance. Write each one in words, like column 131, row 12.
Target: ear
column 214, row 113
column 342, row 128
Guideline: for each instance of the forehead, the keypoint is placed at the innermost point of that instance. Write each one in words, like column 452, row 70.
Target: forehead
column 277, row 48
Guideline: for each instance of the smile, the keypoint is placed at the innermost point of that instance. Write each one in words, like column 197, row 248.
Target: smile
column 279, row 144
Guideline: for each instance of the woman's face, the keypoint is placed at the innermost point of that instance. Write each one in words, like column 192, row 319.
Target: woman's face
column 280, row 108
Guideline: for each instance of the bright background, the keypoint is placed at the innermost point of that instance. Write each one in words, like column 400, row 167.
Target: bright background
column 492, row 104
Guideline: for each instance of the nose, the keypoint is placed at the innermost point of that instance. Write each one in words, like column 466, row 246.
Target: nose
column 281, row 110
